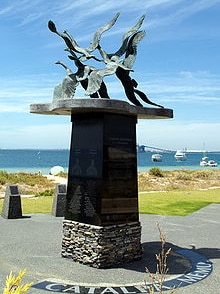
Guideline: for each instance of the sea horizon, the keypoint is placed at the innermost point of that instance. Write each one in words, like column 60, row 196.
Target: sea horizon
column 156, row 150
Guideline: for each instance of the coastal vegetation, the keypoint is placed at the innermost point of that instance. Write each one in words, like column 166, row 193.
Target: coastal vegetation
column 183, row 180
column 29, row 184
column 178, row 192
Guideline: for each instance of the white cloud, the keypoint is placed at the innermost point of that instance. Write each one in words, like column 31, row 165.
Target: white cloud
column 75, row 12
column 183, row 86
column 32, row 17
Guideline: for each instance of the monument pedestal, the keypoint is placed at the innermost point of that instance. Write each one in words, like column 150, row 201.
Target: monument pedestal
column 101, row 226
column 102, row 177
column 101, row 246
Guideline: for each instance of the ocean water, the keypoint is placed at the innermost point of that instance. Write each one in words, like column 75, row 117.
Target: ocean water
column 34, row 161
column 170, row 163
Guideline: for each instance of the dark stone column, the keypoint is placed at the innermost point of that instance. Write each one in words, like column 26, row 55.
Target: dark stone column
column 101, row 226
column 102, row 183
column 12, row 203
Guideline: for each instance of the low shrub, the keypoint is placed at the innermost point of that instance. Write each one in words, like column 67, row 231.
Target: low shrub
column 45, row 193
column 3, row 177
column 204, row 174
column 28, row 183
column 184, row 176
column 63, row 175
column 156, row 171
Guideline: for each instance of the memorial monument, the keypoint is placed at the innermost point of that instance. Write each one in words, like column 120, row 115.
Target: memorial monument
column 101, row 226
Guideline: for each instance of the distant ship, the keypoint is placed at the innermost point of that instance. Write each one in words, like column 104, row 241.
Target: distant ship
column 180, row 155
column 156, row 157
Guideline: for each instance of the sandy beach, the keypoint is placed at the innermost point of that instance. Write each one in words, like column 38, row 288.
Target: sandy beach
column 56, row 179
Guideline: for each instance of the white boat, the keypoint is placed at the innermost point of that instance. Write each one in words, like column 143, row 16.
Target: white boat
column 212, row 163
column 156, row 157
column 206, row 162
column 180, row 155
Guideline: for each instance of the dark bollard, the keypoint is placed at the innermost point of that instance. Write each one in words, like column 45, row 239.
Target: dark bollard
column 59, row 200
column 12, row 203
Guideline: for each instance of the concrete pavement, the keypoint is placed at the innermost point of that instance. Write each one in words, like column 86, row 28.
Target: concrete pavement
column 34, row 243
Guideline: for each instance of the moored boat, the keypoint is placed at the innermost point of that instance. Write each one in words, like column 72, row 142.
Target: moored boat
column 180, row 155
column 156, row 157
column 205, row 162
column 212, row 163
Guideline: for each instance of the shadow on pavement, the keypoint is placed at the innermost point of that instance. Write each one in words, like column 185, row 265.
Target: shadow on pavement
column 176, row 263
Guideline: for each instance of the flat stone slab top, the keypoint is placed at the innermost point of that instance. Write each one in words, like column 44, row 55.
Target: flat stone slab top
column 84, row 105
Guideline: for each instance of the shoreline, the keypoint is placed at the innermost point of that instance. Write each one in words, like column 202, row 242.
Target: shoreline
column 46, row 171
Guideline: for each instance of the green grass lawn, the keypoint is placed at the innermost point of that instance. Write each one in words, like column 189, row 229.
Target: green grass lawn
column 35, row 205
column 177, row 202
column 166, row 203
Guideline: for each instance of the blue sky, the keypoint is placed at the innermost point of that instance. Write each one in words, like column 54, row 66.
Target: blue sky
column 178, row 66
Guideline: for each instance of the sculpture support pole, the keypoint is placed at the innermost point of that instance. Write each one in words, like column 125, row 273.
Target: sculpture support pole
column 102, row 191
column 102, row 183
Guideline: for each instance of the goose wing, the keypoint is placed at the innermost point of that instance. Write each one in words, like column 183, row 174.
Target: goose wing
column 100, row 31
column 94, row 82
column 69, row 85
column 127, row 35
column 76, row 46
column 131, row 52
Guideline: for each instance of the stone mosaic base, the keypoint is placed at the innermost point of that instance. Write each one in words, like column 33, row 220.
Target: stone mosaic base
column 101, row 247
